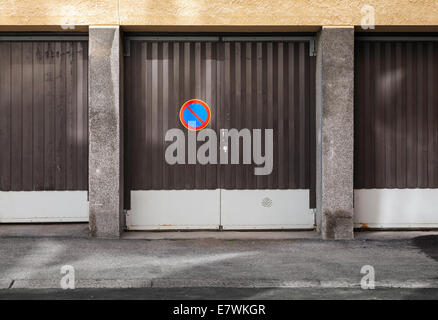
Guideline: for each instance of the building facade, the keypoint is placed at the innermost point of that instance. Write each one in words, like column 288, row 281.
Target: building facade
column 336, row 99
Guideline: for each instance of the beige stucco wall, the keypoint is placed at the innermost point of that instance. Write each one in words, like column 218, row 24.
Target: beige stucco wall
column 214, row 12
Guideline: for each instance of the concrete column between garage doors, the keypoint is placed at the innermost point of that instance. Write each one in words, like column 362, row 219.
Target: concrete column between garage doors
column 105, row 133
column 334, row 123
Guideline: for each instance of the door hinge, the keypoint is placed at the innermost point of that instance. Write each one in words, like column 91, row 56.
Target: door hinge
column 312, row 48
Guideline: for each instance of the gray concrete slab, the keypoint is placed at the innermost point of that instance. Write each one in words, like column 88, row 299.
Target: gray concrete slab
column 224, row 235
column 392, row 235
column 5, row 283
column 266, row 235
column 74, row 230
column 81, row 230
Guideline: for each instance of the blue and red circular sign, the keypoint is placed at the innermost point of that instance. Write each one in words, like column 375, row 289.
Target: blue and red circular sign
column 195, row 114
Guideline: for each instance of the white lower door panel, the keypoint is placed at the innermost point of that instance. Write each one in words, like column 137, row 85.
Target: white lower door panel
column 43, row 206
column 174, row 209
column 266, row 209
column 396, row 208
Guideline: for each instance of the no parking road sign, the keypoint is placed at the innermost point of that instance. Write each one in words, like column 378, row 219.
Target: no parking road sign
column 195, row 114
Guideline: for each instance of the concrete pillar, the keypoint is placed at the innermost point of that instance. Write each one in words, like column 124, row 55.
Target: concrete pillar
column 105, row 133
column 334, row 123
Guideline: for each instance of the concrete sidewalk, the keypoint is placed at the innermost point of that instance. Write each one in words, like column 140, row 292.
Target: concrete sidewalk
column 81, row 230
column 399, row 262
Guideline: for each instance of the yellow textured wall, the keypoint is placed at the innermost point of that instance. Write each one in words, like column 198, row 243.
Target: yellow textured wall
column 214, row 12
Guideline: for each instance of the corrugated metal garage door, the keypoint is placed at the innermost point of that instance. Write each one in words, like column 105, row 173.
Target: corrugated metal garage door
column 160, row 77
column 396, row 132
column 268, row 85
column 252, row 83
column 43, row 129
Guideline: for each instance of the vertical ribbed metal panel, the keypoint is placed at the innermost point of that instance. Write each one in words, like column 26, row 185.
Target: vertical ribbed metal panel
column 267, row 86
column 396, row 114
column 160, row 77
column 263, row 85
column 43, row 115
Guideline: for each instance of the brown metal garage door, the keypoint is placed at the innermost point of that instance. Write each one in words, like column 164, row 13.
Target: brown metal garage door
column 43, row 114
column 396, row 114
column 270, row 85
column 159, row 78
column 250, row 84
column 254, row 83
column 396, row 132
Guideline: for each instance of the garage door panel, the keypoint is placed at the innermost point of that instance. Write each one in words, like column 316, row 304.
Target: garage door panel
column 16, row 115
column 266, row 209
column 174, row 209
column 43, row 206
column 248, row 84
column 396, row 208
column 43, row 127
column 38, row 115
column 161, row 77
column 396, row 115
column 44, row 115
column 396, row 122
column 267, row 86
column 5, row 114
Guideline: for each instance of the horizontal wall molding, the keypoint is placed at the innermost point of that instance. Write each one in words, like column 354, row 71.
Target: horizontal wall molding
column 267, row 38
column 225, row 39
column 43, row 38
column 180, row 39
column 395, row 38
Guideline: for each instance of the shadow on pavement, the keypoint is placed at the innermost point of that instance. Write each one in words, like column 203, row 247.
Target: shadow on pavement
column 428, row 244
